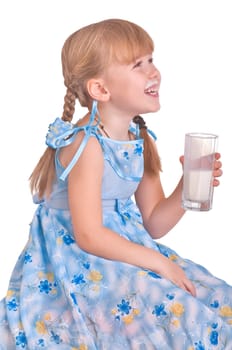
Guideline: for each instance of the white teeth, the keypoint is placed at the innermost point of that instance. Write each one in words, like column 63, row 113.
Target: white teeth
column 151, row 91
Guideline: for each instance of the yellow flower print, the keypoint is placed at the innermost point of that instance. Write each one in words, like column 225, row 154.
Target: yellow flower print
column 142, row 273
column 177, row 309
column 229, row 322
column 40, row 274
column 95, row 276
column 114, row 311
column 41, row 327
column 53, row 292
column 139, row 225
column 136, row 311
column 59, row 240
column 226, row 311
column 173, row 257
column 128, row 319
column 176, row 323
column 47, row 316
column 83, row 347
column 95, row 288
column 50, row 276
column 191, row 348
column 20, row 325
column 9, row 293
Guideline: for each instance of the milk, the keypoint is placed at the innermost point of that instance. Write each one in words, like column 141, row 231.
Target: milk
column 199, row 157
column 197, row 185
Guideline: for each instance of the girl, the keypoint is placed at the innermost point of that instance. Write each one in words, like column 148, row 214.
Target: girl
column 92, row 275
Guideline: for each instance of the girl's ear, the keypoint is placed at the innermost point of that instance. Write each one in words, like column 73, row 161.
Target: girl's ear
column 97, row 90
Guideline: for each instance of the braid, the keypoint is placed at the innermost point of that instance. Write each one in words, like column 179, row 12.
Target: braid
column 152, row 162
column 69, row 104
column 140, row 121
column 43, row 175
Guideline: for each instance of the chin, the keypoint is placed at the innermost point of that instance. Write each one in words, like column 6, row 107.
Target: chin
column 155, row 109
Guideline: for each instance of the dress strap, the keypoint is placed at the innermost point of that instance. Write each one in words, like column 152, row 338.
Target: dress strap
column 61, row 134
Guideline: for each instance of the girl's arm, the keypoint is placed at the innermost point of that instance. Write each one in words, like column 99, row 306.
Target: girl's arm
column 160, row 214
column 84, row 191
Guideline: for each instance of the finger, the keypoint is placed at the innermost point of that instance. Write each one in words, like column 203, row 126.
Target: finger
column 186, row 288
column 189, row 286
column 217, row 165
column 217, row 173
column 216, row 182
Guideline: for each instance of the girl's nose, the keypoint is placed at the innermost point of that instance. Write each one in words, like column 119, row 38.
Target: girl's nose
column 153, row 72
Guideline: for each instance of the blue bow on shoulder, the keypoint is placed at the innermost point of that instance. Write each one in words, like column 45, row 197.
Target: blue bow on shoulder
column 60, row 133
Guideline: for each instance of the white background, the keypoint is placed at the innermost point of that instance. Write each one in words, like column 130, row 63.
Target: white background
column 193, row 53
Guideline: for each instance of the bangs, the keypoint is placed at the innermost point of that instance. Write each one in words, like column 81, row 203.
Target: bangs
column 123, row 42
column 128, row 51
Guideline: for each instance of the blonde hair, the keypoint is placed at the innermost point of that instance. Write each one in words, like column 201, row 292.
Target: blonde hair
column 86, row 54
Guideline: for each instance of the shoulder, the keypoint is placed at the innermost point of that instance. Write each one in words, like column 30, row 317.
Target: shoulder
column 88, row 146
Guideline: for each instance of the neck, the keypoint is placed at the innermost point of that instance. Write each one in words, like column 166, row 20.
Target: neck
column 127, row 136
column 116, row 121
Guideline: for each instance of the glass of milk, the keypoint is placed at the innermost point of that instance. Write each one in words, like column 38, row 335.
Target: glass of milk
column 199, row 157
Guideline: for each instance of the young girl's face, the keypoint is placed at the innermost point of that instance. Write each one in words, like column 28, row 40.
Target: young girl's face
column 134, row 88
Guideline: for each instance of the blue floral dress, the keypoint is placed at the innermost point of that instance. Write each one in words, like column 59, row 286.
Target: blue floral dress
column 63, row 298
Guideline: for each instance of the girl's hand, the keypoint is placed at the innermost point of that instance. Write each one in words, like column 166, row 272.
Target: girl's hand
column 217, row 171
column 176, row 275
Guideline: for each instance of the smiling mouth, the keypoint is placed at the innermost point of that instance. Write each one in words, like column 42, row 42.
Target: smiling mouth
column 152, row 89
column 152, row 92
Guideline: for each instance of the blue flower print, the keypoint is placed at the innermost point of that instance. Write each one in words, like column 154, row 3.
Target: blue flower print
column 159, row 310
column 125, row 312
column 215, row 304
column 78, row 279
column 199, row 346
column 21, row 339
column 86, row 265
column 153, row 274
column 12, row 305
column 214, row 334
column 41, row 343
column 214, row 338
column 27, row 258
column 68, row 239
column 170, row 296
column 45, row 286
column 138, row 149
column 124, row 307
column 56, row 338
column 214, row 325
column 126, row 155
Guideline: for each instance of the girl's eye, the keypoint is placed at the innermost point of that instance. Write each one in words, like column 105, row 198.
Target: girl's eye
column 140, row 63
column 137, row 64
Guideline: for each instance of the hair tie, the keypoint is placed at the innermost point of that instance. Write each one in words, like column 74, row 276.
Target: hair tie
column 140, row 121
